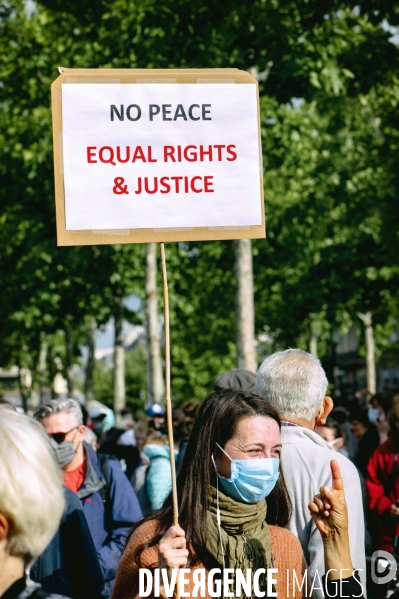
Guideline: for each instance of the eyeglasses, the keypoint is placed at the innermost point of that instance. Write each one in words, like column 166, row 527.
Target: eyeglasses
column 60, row 437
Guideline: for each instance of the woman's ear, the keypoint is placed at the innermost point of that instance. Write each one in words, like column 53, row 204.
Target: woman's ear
column 3, row 527
column 325, row 408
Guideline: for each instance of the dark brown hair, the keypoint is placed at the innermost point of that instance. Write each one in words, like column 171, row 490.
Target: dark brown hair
column 337, row 430
column 216, row 422
column 384, row 399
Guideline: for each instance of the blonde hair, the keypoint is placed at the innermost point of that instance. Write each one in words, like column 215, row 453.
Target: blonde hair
column 156, row 439
column 141, row 426
column 31, row 496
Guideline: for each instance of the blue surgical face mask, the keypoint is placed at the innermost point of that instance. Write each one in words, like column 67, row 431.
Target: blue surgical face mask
column 373, row 414
column 251, row 480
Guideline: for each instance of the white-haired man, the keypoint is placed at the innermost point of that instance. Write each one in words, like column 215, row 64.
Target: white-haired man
column 295, row 383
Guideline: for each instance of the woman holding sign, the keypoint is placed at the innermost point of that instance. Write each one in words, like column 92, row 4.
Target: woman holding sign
column 231, row 495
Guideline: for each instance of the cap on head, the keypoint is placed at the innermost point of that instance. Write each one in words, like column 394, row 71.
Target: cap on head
column 238, row 378
column 155, row 410
column 96, row 412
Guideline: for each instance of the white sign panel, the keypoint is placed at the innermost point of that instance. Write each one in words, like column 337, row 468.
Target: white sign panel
column 160, row 156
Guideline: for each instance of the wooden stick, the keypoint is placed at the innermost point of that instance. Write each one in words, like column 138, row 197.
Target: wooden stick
column 168, row 402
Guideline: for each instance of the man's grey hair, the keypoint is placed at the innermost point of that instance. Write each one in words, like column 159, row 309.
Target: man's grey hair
column 294, row 382
column 55, row 406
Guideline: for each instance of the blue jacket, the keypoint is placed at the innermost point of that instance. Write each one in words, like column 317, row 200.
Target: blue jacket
column 69, row 565
column 109, row 521
column 158, row 479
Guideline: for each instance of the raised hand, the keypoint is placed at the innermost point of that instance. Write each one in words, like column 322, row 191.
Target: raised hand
column 328, row 509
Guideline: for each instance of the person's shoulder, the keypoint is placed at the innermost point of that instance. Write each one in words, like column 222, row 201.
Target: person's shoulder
column 282, row 537
column 113, row 465
column 313, row 451
column 388, row 447
column 92, row 457
column 344, row 463
column 72, row 501
column 318, row 452
column 350, row 473
column 115, row 472
column 287, row 550
column 144, row 532
column 160, row 465
column 118, row 479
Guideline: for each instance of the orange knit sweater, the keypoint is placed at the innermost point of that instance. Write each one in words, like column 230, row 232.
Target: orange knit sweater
column 286, row 549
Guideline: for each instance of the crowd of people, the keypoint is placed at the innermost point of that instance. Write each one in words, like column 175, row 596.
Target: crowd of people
column 262, row 465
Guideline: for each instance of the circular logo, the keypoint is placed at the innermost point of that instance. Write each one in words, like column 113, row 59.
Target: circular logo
column 383, row 567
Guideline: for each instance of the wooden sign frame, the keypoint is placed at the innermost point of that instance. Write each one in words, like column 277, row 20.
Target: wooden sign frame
column 156, row 76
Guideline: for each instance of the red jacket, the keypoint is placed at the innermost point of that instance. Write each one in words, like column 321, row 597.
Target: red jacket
column 383, row 490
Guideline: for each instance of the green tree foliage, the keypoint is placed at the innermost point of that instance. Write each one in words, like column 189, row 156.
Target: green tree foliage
column 331, row 181
column 329, row 192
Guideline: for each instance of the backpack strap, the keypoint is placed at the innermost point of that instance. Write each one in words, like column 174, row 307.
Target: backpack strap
column 103, row 463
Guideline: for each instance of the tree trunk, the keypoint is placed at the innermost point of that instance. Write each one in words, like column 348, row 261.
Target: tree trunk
column 52, row 369
column 313, row 341
column 25, row 385
column 245, row 313
column 367, row 320
column 155, row 383
column 69, row 358
column 42, row 366
column 119, row 360
column 91, row 342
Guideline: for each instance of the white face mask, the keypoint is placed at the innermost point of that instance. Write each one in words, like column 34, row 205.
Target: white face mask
column 373, row 415
column 332, row 443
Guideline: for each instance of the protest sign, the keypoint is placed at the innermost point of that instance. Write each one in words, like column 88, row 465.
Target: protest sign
column 156, row 155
